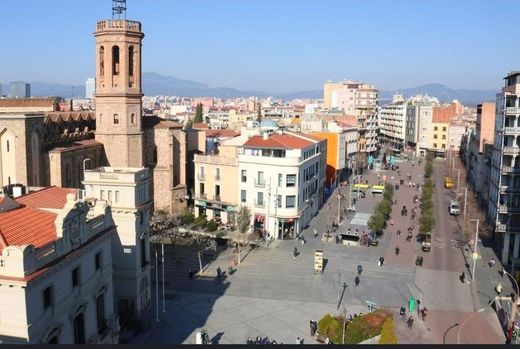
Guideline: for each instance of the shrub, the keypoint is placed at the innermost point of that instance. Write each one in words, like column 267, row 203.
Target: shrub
column 212, row 225
column 365, row 327
column 331, row 327
column 200, row 221
column 187, row 218
column 388, row 335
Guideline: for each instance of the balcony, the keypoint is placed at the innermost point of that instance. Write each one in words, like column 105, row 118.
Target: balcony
column 201, row 176
column 509, row 189
column 512, row 110
column 216, row 197
column 217, row 178
column 510, row 150
column 512, row 130
column 508, row 209
column 202, row 196
column 260, row 183
column 502, row 228
column 259, row 203
column 509, row 169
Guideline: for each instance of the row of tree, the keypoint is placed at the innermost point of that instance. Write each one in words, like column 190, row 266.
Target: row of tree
column 377, row 221
column 427, row 220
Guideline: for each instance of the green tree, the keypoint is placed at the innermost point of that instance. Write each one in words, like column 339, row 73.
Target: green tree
column 198, row 114
column 376, row 222
column 243, row 219
column 189, row 124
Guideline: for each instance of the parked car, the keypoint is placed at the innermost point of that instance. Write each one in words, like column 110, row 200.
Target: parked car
column 448, row 183
column 454, row 208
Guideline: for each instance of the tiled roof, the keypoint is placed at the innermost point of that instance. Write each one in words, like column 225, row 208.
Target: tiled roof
column 280, row 141
column 227, row 132
column 27, row 102
column 50, row 197
column 27, row 225
column 157, row 122
column 76, row 145
column 71, row 115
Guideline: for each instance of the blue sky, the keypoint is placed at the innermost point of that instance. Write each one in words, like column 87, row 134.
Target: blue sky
column 274, row 45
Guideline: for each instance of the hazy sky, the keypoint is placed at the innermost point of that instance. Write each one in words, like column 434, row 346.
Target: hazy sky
column 274, row 45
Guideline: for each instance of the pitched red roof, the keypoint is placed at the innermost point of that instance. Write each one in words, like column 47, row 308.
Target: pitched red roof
column 76, row 145
column 50, row 197
column 27, row 225
column 199, row 125
column 157, row 122
column 227, row 132
column 281, row 141
column 28, row 102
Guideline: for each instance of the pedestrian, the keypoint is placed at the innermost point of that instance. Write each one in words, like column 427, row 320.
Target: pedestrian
column 492, row 262
column 398, row 233
column 219, row 271
column 397, row 251
column 501, row 272
column 402, row 312
column 295, row 253
column 424, row 312
column 303, row 241
column 298, row 340
column 359, row 269
column 190, row 273
column 462, row 276
column 356, row 280
column 498, row 288
column 410, row 322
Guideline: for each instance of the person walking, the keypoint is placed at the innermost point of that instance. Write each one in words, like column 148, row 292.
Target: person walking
column 398, row 233
column 298, row 341
column 410, row 322
column 462, row 276
column 397, row 251
column 356, row 280
column 424, row 312
column 295, row 252
column 359, row 269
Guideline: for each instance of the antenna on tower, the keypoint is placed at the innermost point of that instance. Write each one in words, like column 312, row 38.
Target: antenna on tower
column 118, row 9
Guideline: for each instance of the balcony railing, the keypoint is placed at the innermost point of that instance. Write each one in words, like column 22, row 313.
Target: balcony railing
column 202, row 196
column 216, row 197
column 511, row 150
column 201, row 176
column 512, row 130
column 509, row 169
column 509, row 189
column 259, row 203
column 508, row 209
column 512, row 110
column 259, row 182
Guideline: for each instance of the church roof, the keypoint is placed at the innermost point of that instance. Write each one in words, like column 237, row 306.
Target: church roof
column 75, row 145
column 157, row 122
column 70, row 115
column 28, row 102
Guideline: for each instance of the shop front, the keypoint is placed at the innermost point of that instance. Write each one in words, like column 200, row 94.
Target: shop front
column 286, row 228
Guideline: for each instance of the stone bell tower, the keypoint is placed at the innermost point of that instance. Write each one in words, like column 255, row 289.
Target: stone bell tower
column 118, row 91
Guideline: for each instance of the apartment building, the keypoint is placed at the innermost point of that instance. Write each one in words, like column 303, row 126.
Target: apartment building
column 419, row 113
column 504, row 205
column 282, row 180
column 56, row 269
column 361, row 100
column 456, row 131
column 392, row 123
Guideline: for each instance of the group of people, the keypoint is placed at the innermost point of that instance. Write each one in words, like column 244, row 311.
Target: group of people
column 260, row 340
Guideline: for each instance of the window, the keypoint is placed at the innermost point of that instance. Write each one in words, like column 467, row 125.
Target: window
column 243, row 196
column 97, row 261
column 79, row 329
column 144, row 262
column 100, row 313
column 279, row 201
column 291, row 180
column 243, row 176
column 110, row 195
column 100, row 118
column 115, row 60
column 131, row 61
column 443, row 136
column 132, row 119
column 443, row 146
column 444, row 128
column 435, row 128
column 75, row 277
column 280, row 180
column 102, row 194
column 7, row 143
column 290, row 201
column 47, row 298
column 217, row 175
column 116, row 119
column 101, row 61
column 435, row 136
column 435, row 145
column 260, row 178
column 201, row 188
column 117, row 196
column 260, row 198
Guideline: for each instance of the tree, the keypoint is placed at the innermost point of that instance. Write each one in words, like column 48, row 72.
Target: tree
column 243, row 219
column 376, row 222
column 202, row 244
column 165, row 226
column 259, row 115
column 198, row 114
column 189, row 124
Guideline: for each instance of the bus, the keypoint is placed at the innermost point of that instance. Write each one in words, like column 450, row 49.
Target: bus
column 377, row 189
column 360, row 187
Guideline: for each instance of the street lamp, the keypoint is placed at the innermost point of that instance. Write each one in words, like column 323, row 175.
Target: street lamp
column 458, row 178
column 475, row 254
column 465, row 199
column 465, row 321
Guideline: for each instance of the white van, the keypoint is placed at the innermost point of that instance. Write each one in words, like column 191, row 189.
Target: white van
column 454, row 208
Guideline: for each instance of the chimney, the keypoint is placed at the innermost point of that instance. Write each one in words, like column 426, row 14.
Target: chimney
column 266, row 136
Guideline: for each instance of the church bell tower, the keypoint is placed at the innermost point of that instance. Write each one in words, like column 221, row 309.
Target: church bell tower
column 118, row 88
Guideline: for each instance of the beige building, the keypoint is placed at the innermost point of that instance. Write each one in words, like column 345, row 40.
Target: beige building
column 56, row 270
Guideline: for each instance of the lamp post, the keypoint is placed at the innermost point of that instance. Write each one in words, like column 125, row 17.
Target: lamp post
column 475, row 254
column 465, row 199
column 163, row 296
column 465, row 321
column 458, row 178
column 339, row 205
column 156, row 286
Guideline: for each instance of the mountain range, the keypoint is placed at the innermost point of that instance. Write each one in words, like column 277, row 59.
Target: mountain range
column 157, row 84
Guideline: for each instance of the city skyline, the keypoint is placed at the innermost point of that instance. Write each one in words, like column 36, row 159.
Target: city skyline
column 368, row 42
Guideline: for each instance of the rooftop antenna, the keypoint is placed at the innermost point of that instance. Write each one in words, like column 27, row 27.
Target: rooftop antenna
column 118, row 9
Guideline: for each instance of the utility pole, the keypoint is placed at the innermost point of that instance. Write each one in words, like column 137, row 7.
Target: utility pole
column 458, row 178
column 339, row 204
column 267, row 220
column 465, row 200
column 156, row 286
column 339, row 282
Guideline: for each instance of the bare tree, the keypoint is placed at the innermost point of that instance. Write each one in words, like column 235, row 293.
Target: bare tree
column 202, row 244
column 165, row 226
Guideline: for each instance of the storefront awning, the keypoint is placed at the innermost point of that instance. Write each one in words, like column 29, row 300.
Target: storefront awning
column 201, row 203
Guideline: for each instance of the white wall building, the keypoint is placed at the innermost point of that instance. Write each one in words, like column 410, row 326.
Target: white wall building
column 282, row 178
column 90, row 88
column 392, row 123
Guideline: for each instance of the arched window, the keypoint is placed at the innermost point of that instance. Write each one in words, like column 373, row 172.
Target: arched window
column 131, row 61
column 132, row 119
column 116, row 119
column 115, row 60
column 101, row 61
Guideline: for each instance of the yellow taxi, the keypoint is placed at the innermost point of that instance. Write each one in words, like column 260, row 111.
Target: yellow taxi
column 448, row 183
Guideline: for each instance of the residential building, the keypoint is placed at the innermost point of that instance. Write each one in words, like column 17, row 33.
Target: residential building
column 56, row 269
column 504, row 205
column 485, row 124
column 20, row 89
column 90, row 88
column 282, row 180
column 392, row 123
column 455, row 133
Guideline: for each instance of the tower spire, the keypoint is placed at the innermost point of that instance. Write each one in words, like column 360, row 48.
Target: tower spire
column 118, row 9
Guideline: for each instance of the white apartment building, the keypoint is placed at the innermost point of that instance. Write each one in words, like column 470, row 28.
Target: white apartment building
column 56, row 270
column 282, row 179
column 392, row 123
column 127, row 191
column 504, row 190
column 418, row 126
column 455, row 134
